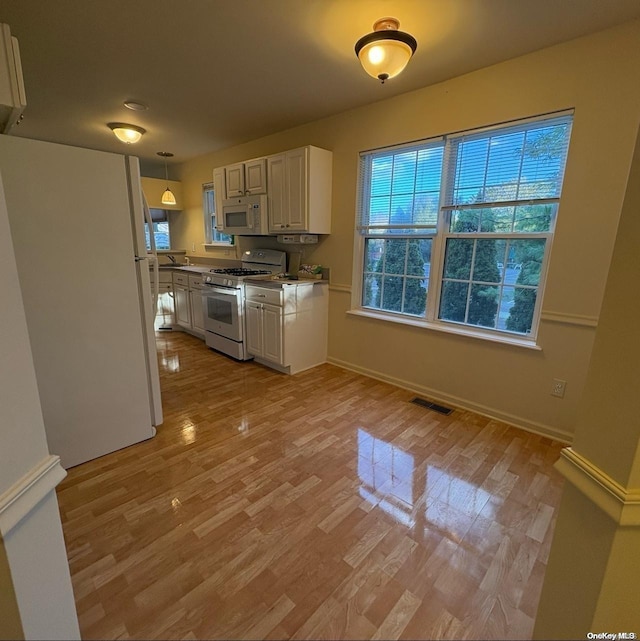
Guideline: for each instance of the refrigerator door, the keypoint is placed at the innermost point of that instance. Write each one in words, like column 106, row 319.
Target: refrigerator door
column 70, row 212
column 143, row 261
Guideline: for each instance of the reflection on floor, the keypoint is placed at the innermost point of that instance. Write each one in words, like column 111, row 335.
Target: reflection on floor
column 321, row 505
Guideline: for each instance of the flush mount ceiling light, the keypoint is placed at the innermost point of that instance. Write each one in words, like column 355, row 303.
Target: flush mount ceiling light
column 135, row 106
column 167, row 197
column 385, row 52
column 126, row 133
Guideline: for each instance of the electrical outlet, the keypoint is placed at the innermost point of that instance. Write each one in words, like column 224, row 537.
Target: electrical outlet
column 557, row 387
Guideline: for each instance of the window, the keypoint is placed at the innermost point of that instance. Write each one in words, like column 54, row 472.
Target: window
column 212, row 235
column 457, row 231
column 160, row 222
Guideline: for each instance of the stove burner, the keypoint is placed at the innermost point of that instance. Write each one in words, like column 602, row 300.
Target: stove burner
column 240, row 271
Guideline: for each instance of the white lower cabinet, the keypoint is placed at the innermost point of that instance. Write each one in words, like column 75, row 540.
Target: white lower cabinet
column 287, row 325
column 264, row 331
column 187, row 292
column 183, row 312
column 197, row 312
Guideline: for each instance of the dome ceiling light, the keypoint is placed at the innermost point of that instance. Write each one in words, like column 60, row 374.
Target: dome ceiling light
column 126, row 133
column 385, row 52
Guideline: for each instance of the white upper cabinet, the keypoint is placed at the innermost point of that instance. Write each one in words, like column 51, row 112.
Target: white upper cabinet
column 13, row 98
column 153, row 188
column 300, row 191
column 246, row 178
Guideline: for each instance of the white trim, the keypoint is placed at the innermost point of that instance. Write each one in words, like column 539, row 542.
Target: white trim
column 20, row 499
column 339, row 287
column 620, row 503
column 448, row 328
column 569, row 319
column 449, row 399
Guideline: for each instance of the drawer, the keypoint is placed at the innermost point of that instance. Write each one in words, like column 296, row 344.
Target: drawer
column 181, row 279
column 195, row 282
column 264, row 295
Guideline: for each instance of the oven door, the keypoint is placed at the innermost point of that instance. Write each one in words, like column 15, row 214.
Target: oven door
column 222, row 310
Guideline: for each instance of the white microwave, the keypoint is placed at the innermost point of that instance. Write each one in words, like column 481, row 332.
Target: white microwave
column 245, row 216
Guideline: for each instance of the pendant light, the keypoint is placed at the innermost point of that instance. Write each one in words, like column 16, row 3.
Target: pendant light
column 385, row 52
column 167, row 198
column 126, row 133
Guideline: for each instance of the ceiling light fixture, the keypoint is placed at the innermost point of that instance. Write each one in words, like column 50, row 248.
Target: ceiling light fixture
column 135, row 106
column 167, row 197
column 126, row 133
column 385, row 52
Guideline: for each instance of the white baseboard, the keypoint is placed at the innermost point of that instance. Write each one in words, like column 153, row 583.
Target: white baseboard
column 24, row 495
column 441, row 397
column 620, row 503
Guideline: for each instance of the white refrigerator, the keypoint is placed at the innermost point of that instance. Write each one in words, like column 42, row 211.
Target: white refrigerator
column 77, row 227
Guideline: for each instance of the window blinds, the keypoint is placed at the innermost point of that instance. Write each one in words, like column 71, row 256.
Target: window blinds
column 508, row 166
column 400, row 188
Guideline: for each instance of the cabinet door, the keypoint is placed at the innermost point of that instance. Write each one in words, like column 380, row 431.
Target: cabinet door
column 297, row 194
column 234, row 180
column 197, row 312
column 255, row 177
column 253, row 313
column 272, row 333
column 277, row 193
column 181, row 298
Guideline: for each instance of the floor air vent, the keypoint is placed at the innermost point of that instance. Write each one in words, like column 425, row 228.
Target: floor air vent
column 432, row 406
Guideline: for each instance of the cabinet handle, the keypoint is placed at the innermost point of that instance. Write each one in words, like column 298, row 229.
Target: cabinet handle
column 287, row 224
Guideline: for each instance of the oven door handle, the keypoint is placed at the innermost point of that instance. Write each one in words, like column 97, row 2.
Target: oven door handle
column 220, row 290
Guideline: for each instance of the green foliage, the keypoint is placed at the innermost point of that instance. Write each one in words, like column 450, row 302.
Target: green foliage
column 483, row 302
column 529, row 254
column 549, row 145
column 385, row 287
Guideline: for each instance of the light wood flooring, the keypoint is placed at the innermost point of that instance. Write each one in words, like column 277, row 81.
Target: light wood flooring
column 315, row 506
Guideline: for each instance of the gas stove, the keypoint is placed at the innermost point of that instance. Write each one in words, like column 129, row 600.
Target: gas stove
column 260, row 263
column 223, row 299
column 233, row 276
column 240, row 271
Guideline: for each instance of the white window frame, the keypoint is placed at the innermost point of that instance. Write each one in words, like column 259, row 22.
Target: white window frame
column 439, row 239
column 209, row 221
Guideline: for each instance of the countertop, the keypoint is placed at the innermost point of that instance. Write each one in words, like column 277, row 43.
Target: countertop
column 197, row 269
column 275, row 283
column 272, row 283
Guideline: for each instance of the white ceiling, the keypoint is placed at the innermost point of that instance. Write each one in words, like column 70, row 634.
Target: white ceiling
column 215, row 73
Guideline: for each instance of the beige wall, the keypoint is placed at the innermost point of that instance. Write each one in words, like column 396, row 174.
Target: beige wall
column 596, row 75
column 611, row 397
column 592, row 575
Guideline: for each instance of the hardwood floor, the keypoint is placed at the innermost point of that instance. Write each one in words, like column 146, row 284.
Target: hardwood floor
column 320, row 505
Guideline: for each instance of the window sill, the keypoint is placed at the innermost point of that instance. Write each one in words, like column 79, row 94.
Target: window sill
column 448, row 329
column 218, row 245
